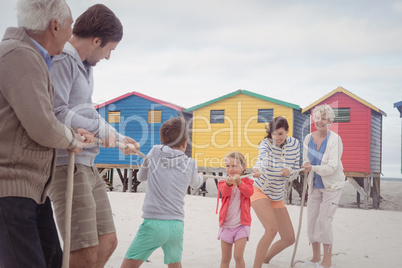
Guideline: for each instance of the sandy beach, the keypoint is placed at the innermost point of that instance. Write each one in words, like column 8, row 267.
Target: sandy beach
column 363, row 238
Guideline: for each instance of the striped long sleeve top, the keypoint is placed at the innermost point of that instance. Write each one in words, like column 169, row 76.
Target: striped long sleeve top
column 272, row 158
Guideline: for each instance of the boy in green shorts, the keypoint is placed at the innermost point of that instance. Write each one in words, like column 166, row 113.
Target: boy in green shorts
column 168, row 172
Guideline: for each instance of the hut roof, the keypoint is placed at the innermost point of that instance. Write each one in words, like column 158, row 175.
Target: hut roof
column 350, row 94
column 167, row 104
column 398, row 105
column 241, row 91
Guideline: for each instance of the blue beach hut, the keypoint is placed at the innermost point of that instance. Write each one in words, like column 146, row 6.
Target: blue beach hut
column 140, row 117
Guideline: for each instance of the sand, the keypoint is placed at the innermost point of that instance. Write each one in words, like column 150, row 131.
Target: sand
column 362, row 238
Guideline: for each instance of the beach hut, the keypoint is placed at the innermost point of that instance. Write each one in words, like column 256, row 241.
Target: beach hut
column 359, row 124
column 236, row 122
column 398, row 105
column 140, row 117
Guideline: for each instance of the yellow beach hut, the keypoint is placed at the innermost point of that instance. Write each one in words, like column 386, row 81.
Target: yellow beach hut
column 236, row 122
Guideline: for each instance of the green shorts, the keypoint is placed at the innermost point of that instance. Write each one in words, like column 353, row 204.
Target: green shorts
column 152, row 234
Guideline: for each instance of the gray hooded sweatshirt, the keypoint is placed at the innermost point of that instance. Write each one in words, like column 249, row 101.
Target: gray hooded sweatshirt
column 168, row 173
column 73, row 86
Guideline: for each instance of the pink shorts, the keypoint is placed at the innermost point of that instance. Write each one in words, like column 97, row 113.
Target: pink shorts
column 231, row 235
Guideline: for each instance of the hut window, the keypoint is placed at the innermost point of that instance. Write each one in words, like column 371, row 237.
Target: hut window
column 342, row 115
column 217, row 116
column 114, row 117
column 154, row 116
column 265, row 115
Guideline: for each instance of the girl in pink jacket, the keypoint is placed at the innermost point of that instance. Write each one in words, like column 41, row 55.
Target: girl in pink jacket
column 234, row 216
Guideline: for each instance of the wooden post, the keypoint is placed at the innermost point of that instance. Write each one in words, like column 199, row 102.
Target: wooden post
column 376, row 192
column 130, row 180
column 216, row 183
column 135, row 180
column 123, row 181
column 288, row 187
column 111, row 176
column 68, row 211
column 360, row 191
column 367, row 191
column 126, row 179
column 358, row 199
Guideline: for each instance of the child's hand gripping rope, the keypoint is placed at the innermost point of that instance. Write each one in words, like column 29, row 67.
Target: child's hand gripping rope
column 252, row 174
column 205, row 177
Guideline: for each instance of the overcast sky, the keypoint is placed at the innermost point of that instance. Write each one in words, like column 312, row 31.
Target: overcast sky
column 189, row 52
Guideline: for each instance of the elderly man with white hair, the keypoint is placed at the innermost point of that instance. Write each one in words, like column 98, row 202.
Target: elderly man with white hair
column 30, row 133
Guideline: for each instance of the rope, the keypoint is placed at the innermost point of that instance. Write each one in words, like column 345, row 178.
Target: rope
column 122, row 146
column 118, row 145
column 69, row 203
column 223, row 177
column 292, row 263
column 274, row 173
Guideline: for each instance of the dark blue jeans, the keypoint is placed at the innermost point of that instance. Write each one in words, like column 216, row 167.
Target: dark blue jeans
column 28, row 234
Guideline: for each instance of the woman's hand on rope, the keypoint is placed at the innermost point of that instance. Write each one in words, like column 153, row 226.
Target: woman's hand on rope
column 285, row 172
column 256, row 173
column 307, row 167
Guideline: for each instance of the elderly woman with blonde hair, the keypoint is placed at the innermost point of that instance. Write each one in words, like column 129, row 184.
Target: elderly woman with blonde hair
column 322, row 159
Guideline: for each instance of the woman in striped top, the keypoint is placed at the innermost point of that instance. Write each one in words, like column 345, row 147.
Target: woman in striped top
column 280, row 156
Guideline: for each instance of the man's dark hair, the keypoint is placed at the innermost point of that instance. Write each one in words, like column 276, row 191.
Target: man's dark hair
column 99, row 21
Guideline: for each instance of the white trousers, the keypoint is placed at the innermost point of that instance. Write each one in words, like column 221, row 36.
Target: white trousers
column 321, row 207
